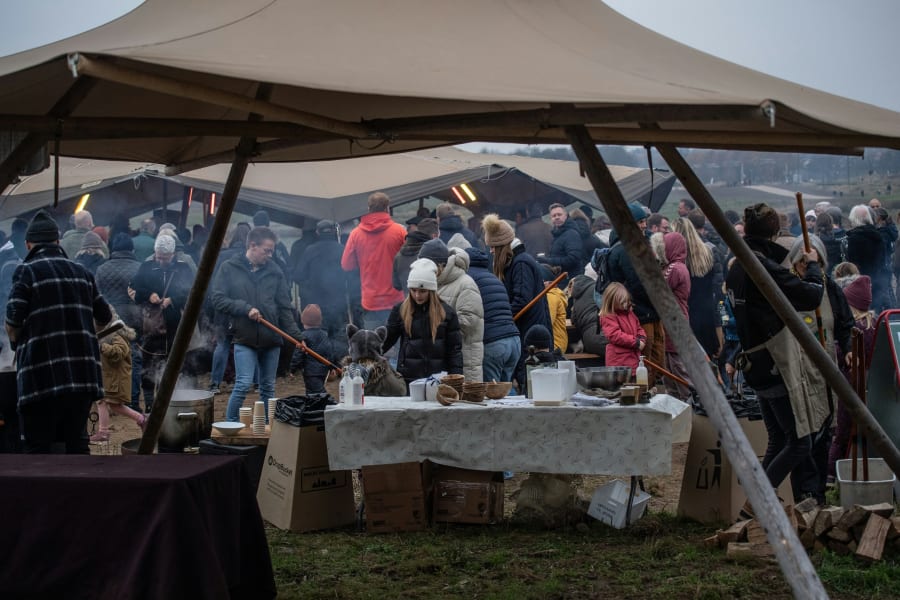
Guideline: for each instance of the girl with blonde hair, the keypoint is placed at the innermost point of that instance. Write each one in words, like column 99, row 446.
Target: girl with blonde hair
column 621, row 327
column 427, row 328
column 706, row 283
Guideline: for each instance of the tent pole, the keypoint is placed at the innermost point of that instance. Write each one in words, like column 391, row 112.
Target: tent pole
column 198, row 289
column 845, row 392
column 792, row 557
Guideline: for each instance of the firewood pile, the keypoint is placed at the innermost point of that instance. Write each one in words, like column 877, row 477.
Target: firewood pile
column 862, row 530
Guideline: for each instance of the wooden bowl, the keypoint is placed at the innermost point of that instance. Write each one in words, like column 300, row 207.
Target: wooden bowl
column 446, row 395
column 497, row 390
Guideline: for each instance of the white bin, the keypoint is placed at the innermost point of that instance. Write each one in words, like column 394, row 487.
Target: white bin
column 609, row 502
column 879, row 488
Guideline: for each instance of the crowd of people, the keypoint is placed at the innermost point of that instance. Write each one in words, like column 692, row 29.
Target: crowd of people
column 454, row 297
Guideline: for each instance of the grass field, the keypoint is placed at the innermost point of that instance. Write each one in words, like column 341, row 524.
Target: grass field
column 660, row 556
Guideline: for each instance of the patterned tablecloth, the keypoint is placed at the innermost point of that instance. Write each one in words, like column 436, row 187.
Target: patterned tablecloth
column 510, row 435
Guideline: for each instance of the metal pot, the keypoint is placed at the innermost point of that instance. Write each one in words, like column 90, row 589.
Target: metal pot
column 188, row 420
column 607, row 378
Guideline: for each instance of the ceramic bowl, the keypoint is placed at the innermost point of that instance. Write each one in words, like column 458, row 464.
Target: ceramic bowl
column 228, row 427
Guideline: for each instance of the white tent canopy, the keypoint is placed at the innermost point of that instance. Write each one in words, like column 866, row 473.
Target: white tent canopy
column 338, row 190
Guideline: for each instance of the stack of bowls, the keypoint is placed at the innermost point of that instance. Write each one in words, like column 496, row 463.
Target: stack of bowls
column 473, row 391
column 497, row 390
column 454, row 381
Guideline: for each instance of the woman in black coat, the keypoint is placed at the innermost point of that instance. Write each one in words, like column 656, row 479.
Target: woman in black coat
column 428, row 329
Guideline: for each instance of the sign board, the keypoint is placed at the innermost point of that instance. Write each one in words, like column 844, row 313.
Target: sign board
column 883, row 379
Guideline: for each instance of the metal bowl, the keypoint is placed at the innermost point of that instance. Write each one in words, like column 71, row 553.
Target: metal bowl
column 607, row 378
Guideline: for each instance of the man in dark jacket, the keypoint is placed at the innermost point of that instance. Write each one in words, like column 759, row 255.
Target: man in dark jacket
column 585, row 316
column 50, row 318
column 113, row 278
column 451, row 223
column 426, row 229
column 865, row 249
column 502, row 343
column 534, row 232
column 247, row 288
column 323, row 282
column 567, row 250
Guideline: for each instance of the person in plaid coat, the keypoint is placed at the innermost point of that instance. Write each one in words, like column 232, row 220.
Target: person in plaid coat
column 50, row 318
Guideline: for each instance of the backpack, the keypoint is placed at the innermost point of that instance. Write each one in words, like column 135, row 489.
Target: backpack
column 600, row 264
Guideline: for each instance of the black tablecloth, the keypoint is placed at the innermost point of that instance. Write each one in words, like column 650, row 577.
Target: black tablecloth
column 179, row 526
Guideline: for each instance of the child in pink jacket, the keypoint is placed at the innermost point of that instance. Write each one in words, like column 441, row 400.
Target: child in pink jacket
column 621, row 327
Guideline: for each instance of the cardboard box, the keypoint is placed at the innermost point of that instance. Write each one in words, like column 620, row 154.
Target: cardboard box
column 297, row 490
column 710, row 490
column 397, row 497
column 609, row 504
column 467, row 496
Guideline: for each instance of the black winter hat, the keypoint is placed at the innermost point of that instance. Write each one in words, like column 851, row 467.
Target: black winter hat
column 435, row 250
column 539, row 337
column 42, row 228
column 122, row 242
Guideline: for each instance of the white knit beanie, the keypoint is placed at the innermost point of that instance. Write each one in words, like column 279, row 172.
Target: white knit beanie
column 422, row 275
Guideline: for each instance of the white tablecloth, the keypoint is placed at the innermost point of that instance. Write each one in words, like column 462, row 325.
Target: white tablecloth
column 615, row 440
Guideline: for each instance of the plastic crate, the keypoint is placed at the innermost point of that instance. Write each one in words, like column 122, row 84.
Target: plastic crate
column 610, row 501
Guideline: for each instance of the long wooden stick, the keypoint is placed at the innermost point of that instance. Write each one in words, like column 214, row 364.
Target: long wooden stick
column 543, row 293
column 668, row 374
column 302, row 345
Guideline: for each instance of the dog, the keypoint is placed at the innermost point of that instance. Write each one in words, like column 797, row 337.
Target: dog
column 365, row 355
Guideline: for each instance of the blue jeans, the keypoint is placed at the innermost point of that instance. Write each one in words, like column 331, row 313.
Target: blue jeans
column 375, row 318
column 220, row 359
column 500, row 358
column 246, row 361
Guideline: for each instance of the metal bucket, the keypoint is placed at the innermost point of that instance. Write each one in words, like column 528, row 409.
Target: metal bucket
column 188, row 420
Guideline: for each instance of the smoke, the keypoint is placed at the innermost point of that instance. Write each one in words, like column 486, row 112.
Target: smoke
column 6, row 354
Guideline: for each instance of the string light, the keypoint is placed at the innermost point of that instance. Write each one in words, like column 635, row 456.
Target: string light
column 82, row 202
column 212, row 204
column 458, row 195
column 468, row 192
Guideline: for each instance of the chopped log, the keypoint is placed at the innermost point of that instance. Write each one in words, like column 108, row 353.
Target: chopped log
column 838, row 548
column 852, row 545
column 884, row 509
column 853, row 517
column 807, row 519
column 818, row 545
column 713, row 541
column 839, row 535
column 808, row 538
column 755, row 533
column 735, row 533
column 807, row 505
column 827, row 518
column 792, row 517
column 858, row 530
column 746, row 550
column 894, row 531
column 871, row 546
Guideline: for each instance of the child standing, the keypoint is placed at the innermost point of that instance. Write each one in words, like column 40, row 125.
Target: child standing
column 316, row 338
column 557, row 301
column 621, row 327
column 115, row 362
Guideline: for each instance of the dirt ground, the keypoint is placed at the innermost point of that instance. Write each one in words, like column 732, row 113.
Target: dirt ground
column 664, row 490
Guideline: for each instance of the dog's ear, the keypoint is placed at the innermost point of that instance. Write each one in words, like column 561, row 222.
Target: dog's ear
column 351, row 329
column 381, row 332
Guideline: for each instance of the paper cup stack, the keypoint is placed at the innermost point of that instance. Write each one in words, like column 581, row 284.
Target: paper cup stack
column 259, row 418
column 246, row 416
column 272, row 402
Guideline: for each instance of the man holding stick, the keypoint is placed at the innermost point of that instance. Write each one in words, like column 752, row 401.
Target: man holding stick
column 248, row 288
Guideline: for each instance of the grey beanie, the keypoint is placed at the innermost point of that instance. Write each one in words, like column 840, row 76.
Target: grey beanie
column 435, row 250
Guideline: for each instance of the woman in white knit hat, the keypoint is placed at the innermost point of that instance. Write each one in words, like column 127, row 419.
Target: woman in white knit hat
column 427, row 328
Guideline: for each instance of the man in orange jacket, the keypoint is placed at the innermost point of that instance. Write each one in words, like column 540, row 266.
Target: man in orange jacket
column 371, row 248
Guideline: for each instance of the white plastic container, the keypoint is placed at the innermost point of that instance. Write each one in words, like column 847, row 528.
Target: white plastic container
column 610, row 500
column 550, row 384
column 879, row 488
column 417, row 390
column 569, row 367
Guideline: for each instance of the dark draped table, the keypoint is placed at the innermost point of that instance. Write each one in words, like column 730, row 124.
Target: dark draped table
column 131, row 527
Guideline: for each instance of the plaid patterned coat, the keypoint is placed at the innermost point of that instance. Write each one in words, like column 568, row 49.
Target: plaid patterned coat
column 54, row 303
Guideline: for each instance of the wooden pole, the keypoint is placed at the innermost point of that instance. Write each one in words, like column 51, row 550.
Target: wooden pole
column 833, row 376
column 198, row 290
column 792, row 557
column 108, row 71
column 301, row 345
column 543, row 293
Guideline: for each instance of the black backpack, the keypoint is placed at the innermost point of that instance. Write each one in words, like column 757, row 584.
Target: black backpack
column 600, row 264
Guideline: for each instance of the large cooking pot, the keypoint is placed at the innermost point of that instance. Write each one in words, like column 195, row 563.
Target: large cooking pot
column 188, row 420
column 607, row 378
